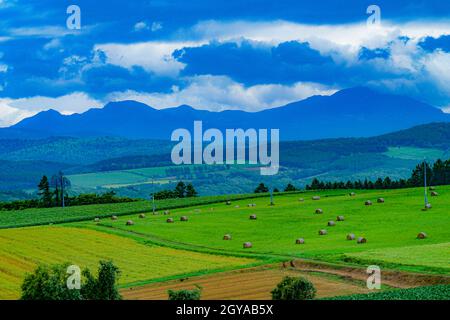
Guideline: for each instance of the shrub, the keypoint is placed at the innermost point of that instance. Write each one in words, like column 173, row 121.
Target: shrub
column 193, row 294
column 291, row 288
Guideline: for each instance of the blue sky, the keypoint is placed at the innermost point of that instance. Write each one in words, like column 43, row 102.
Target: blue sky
column 217, row 55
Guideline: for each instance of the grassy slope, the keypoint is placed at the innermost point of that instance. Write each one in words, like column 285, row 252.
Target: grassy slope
column 20, row 253
column 32, row 217
column 393, row 225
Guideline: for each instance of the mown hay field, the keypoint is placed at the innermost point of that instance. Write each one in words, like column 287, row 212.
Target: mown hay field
column 392, row 225
column 22, row 249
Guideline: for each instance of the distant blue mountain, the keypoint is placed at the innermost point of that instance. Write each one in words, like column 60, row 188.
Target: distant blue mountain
column 355, row 112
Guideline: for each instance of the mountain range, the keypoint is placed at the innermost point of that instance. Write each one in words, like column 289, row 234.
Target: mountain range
column 354, row 112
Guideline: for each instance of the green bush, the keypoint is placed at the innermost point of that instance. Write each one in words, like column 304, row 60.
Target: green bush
column 185, row 294
column 50, row 283
column 291, row 288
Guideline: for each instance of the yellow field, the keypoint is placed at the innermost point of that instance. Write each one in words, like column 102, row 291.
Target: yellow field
column 22, row 249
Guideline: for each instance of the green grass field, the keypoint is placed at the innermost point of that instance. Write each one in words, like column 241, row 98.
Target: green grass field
column 22, row 249
column 389, row 227
column 154, row 250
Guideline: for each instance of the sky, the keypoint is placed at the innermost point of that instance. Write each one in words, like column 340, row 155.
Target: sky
column 217, row 55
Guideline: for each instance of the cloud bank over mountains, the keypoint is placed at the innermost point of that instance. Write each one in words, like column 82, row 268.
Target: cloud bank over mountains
column 214, row 56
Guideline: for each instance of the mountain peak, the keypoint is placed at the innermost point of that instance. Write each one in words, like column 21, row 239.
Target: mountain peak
column 126, row 104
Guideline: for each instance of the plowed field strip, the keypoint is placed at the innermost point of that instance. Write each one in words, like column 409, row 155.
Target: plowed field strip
column 244, row 284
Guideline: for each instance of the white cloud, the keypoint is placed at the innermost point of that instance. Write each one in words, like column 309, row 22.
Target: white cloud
column 219, row 93
column 353, row 35
column 14, row 110
column 152, row 56
column 141, row 25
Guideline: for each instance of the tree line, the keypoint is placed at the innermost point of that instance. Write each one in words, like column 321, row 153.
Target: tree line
column 53, row 192
column 436, row 174
column 181, row 190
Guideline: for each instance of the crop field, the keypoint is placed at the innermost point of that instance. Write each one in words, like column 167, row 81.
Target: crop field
column 388, row 227
column 22, row 249
column 246, row 284
column 154, row 255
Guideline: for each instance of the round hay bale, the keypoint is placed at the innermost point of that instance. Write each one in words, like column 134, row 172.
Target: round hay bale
column 301, row 199
column 253, row 217
column 352, row 194
column 184, row 218
column 166, row 212
column 114, row 218
column 434, row 194
column 350, row 236
column 247, row 245
column 169, row 220
column 421, row 235
column 236, row 206
column 362, row 240
column 142, row 216
column 227, row 237
column 340, row 218
column 319, row 211
column 97, row 220
column 129, row 223
column 331, row 223
column 428, row 206
column 432, row 188
column 228, row 203
column 368, row 203
column 316, row 198
column 300, row 241
column 380, row 200
column 322, row 232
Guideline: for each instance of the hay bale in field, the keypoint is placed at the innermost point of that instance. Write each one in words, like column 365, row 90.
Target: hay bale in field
column 428, row 206
column 432, row 188
column 301, row 199
column 166, row 212
column 322, row 232
column 340, row 218
column 253, row 217
column 142, row 216
column 380, row 200
column 247, row 245
column 350, row 236
column 421, row 235
column 129, row 223
column 114, row 218
column 197, row 210
column 362, row 240
column 319, row 211
column 331, row 223
column 184, row 218
column 169, row 220
column 352, row 194
column 228, row 203
column 251, row 205
column 300, row 241
column 316, row 198
column 434, row 194
column 236, row 206
column 368, row 203
column 227, row 237
column 97, row 220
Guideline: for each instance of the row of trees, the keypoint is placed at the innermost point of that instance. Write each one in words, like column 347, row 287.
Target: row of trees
column 181, row 190
column 262, row 188
column 54, row 193
column 437, row 174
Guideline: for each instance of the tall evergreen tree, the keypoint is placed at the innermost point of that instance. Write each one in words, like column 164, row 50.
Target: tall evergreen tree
column 180, row 189
column 44, row 192
column 190, row 191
